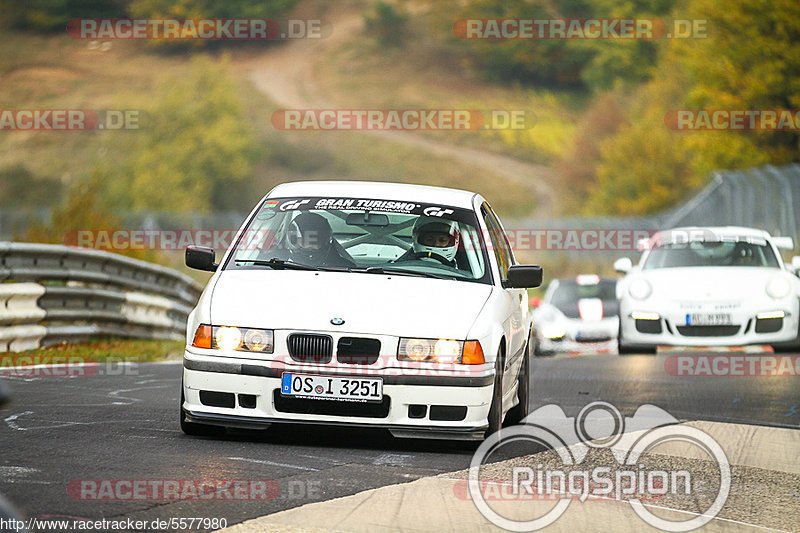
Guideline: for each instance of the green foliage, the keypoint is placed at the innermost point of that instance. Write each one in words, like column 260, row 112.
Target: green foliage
column 387, row 24
column 53, row 15
column 197, row 9
column 18, row 186
column 597, row 64
column 241, row 9
column 577, row 169
column 549, row 63
column 82, row 209
column 196, row 142
column 623, row 62
column 750, row 61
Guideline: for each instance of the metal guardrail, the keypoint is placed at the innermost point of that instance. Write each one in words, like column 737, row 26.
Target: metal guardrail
column 52, row 293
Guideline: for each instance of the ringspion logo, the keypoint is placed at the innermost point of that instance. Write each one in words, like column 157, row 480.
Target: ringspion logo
column 601, row 426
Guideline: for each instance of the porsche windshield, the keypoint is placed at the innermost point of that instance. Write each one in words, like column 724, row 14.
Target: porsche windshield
column 363, row 235
column 712, row 253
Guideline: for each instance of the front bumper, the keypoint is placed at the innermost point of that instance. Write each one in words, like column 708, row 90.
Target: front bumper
column 582, row 336
column 669, row 327
column 256, row 401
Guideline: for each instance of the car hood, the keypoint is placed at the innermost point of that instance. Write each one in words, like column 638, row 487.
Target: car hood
column 368, row 303
column 709, row 283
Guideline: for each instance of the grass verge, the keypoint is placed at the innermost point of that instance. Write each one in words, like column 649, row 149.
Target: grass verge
column 97, row 351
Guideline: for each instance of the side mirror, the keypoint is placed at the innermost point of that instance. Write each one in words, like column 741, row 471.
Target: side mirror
column 784, row 243
column 796, row 264
column 534, row 301
column 623, row 265
column 201, row 258
column 523, row 277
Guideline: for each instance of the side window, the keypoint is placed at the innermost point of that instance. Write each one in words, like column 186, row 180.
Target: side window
column 503, row 237
column 502, row 250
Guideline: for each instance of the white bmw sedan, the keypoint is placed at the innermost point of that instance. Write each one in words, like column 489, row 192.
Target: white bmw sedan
column 712, row 286
column 361, row 304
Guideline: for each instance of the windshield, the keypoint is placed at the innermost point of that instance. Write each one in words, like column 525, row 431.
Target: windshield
column 363, row 235
column 712, row 253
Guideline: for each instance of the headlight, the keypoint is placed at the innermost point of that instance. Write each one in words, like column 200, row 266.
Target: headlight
column 228, row 338
column 445, row 351
column 778, row 287
column 640, row 289
column 258, row 340
column 554, row 331
column 233, row 338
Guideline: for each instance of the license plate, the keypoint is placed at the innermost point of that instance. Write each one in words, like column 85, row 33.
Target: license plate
column 708, row 319
column 332, row 387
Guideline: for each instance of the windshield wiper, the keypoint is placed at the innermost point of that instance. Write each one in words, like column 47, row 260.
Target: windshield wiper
column 284, row 263
column 278, row 264
column 403, row 272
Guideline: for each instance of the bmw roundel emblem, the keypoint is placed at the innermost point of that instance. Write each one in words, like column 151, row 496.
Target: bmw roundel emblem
column 337, row 321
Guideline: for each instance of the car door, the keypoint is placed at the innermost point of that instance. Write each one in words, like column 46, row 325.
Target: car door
column 515, row 302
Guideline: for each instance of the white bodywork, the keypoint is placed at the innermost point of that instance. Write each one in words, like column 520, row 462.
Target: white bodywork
column 728, row 304
column 381, row 306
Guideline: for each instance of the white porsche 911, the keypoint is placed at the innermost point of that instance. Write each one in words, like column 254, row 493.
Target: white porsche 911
column 711, row 286
column 361, row 304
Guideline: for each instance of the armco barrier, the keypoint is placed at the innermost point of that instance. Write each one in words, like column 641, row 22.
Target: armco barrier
column 52, row 293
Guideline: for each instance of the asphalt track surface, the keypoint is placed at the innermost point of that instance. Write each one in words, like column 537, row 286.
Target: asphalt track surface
column 58, row 431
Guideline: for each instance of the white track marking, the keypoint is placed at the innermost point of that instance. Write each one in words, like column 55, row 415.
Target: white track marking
column 272, row 463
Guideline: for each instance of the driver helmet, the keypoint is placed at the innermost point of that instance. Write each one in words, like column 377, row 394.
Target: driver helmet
column 436, row 236
column 309, row 238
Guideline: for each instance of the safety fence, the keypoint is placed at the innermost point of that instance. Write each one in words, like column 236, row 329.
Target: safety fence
column 766, row 198
column 51, row 294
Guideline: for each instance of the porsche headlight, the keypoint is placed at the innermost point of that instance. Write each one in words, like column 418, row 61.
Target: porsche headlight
column 445, row 351
column 554, row 331
column 778, row 287
column 640, row 289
